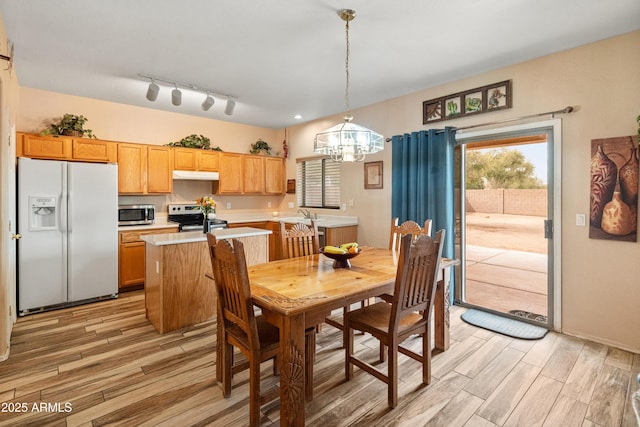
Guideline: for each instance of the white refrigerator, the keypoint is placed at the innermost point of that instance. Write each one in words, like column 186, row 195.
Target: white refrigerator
column 68, row 219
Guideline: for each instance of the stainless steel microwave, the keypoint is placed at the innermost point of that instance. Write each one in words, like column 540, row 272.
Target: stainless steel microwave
column 136, row 214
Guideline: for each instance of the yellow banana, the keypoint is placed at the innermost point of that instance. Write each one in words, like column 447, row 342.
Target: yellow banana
column 334, row 250
column 348, row 245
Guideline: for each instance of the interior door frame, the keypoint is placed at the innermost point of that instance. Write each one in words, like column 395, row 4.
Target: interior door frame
column 553, row 128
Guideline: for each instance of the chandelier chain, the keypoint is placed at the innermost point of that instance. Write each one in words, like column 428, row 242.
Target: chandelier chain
column 346, row 90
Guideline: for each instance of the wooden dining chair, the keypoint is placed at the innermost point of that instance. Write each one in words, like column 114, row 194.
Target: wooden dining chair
column 257, row 340
column 407, row 227
column 392, row 323
column 299, row 240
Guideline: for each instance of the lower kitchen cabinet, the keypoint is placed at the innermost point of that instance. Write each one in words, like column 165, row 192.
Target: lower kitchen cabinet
column 335, row 236
column 131, row 257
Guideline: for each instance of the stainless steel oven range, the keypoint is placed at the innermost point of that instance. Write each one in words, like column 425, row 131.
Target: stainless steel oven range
column 190, row 218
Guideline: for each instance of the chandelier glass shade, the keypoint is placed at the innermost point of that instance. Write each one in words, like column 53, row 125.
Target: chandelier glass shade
column 348, row 142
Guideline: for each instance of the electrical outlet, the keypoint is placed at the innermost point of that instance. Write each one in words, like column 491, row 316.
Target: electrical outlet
column 350, row 203
column 268, row 204
column 228, row 205
column 344, row 206
column 581, row 220
column 290, row 205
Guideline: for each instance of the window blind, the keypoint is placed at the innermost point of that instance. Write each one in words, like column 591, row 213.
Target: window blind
column 318, row 183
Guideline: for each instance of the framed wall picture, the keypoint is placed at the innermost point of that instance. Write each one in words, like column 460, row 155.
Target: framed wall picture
column 496, row 96
column 373, row 175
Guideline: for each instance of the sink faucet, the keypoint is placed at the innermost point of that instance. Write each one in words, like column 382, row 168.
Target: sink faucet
column 307, row 214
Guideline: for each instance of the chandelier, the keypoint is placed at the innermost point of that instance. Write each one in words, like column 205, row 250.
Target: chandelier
column 348, row 142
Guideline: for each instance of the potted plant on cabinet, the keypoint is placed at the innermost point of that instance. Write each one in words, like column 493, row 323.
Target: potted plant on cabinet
column 69, row 125
column 194, row 141
column 260, row 147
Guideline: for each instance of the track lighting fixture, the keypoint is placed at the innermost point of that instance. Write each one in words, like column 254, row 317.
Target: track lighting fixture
column 176, row 94
column 208, row 102
column 231, row 105
column 152, row 92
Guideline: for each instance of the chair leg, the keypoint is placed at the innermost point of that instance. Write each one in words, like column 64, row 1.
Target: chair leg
column 347, row 339
column 254, row 390
column 276, row 366
column 383, row 352
column 426, row 354
column 392, row 377
column 227, row 372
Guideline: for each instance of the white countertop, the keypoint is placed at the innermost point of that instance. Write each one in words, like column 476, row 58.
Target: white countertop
column 328, row 221
column 199, row 236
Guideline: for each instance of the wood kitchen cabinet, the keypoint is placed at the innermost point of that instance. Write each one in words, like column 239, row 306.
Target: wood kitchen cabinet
column 144, row 169
column 274, row 173
column 159, row 169
column 231, row 171
column 131, row 270
column 193, row 159
column 253, row 174
column 65, row 148
column 336, row 236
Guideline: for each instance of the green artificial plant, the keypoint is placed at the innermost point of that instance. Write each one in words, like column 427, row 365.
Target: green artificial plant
column 258, row 146
column 70, row 125
column 194, row 141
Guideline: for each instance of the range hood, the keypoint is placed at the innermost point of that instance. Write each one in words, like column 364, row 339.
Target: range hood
column 195, row 175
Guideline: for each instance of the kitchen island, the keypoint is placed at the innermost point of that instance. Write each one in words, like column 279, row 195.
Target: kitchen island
column 177, row 293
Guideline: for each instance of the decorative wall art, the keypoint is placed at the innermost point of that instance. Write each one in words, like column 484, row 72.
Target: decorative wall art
column 483, row 99
column 613, row 207
column 372, row 175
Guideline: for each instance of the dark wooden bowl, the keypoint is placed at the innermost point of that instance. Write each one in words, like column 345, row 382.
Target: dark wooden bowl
column 340, row 260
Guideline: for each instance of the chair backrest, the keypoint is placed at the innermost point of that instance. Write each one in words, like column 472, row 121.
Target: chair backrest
column 299, row 240
column 416, row 276
column 407, row 227
column 232, row 283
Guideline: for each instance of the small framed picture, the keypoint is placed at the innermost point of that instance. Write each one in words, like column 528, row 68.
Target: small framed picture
column 432, row 111
column 373, row 175
column 473, row 102
column 499, row 96
column 453, row 107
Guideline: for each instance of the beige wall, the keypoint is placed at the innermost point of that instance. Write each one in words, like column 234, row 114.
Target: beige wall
column 600, row 279
column 600, row 297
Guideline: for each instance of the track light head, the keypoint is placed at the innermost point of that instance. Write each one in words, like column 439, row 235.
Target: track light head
column 208, row 102
column 176, row 97
column 152, row 91
column 231, row 105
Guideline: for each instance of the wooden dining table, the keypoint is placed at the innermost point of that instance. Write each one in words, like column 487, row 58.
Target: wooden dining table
column 298, row 293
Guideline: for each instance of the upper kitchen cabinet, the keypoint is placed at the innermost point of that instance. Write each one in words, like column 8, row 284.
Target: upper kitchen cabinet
column 253, row 174
column 250, row 174
column 230, row 174
column 194, row 159
column 144, row 169
column 65, row 148
column 159, row 169
column 274, row 182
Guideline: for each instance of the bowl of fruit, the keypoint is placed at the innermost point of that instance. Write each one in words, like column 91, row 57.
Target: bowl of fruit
column 341, row 254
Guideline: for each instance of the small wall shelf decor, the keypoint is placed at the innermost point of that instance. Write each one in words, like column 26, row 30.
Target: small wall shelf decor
column 493, row 97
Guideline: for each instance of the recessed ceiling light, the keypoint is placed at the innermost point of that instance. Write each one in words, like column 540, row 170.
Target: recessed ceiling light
column 297, row 116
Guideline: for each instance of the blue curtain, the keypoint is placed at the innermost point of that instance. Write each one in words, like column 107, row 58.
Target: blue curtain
column 422, row 181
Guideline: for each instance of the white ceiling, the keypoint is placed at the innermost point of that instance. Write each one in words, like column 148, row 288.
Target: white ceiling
column 286, row 57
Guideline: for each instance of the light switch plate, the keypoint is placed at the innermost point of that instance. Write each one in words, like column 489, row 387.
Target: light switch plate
column 290, row 205
column 228, row 205
column 581, row 220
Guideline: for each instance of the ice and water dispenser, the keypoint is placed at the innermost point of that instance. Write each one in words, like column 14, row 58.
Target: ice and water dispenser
column 43, row 213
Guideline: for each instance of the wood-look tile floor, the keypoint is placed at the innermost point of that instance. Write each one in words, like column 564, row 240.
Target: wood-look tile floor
column 104, row 364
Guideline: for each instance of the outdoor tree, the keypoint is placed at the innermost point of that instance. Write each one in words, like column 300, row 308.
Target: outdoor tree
column 500, row 168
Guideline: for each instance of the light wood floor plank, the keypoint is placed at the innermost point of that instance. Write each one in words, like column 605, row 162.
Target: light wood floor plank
column 110, row 364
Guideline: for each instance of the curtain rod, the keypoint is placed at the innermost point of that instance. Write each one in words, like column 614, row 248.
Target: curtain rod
column 565, row 110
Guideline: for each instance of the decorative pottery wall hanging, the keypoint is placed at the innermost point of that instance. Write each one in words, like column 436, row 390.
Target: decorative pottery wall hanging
column 613, row 207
